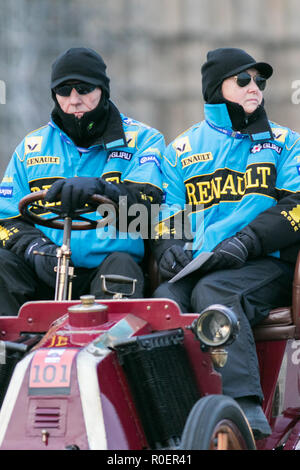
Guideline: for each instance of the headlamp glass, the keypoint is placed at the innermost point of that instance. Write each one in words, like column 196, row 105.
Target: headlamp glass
column 216, row 326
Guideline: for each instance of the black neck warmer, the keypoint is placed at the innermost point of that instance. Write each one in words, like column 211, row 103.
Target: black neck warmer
column 252, row 124
column 87, row 130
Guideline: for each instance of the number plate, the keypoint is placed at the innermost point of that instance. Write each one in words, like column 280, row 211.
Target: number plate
column 51, row 369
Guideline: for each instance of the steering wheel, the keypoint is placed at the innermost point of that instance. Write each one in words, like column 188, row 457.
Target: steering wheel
column 34, row 200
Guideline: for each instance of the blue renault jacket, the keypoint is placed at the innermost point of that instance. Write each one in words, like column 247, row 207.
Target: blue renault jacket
column 220, row 181
column 48, row 154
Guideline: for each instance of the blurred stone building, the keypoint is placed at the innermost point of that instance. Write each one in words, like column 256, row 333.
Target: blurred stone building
column 154, row 50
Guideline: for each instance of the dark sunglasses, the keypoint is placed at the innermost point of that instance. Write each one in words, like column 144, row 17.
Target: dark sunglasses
column 81, row 88
column 244, row 78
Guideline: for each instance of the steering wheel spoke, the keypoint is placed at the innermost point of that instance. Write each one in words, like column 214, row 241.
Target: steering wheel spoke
column 29, row 203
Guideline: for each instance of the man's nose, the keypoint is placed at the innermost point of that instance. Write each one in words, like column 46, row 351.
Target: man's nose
column 252, row 85
column 75, row 96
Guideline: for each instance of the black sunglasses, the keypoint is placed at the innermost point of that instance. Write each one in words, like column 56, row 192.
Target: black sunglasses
column 81, row 88
column 244, row 78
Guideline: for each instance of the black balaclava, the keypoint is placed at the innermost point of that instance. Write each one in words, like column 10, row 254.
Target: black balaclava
column 223, row 63
column 84, row 65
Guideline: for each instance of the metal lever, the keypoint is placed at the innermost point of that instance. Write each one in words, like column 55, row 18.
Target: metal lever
column 115, row 278
column 64, row 272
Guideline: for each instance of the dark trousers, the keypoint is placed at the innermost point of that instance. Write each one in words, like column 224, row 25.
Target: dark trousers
column 251, row 291
column 19, row 284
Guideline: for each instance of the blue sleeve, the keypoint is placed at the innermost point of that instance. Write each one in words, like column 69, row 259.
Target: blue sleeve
column 279, row 227
column 145, row 167
column 14, row 185
column 15, row 233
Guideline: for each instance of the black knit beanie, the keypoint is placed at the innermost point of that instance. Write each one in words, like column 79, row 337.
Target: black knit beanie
column 225, row 62
column 80, row 63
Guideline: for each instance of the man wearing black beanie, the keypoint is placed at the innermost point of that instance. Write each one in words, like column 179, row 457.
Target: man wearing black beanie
column 82, row 65
column 87, row 148
column 235, row 176
column 228, row 62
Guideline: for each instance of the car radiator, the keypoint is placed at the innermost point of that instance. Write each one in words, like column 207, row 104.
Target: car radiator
column 162, row 384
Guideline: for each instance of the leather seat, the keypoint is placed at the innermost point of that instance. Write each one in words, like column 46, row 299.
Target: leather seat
column 277, row 326
column 283, row 323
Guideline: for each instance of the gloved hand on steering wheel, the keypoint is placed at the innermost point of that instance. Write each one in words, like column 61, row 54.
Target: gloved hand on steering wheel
column 75, row 192
column 44, row 264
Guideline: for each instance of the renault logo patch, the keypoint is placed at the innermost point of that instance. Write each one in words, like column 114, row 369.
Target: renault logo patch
column 42, row 160
column 196, row 158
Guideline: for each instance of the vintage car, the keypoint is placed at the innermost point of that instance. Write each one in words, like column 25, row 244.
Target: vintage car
column 135, row 374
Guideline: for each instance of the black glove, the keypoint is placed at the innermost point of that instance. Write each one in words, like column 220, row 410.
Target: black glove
column 233, row 252
column 75, row 192
column 173, row 260
column 43, row 265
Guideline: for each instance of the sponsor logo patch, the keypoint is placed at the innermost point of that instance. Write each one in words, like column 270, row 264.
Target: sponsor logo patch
column 266, row 145
column 293, row 216
column 131, row 137
column 43, row 160
column 149, row 158
column 128, row 121
column 6, row 234
column 6, row 191
column 7, row 179
column 229, row 185
column 182, row 145
column 33, row 144
column 196, row 158
column 120, row 154
column 279, row 134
